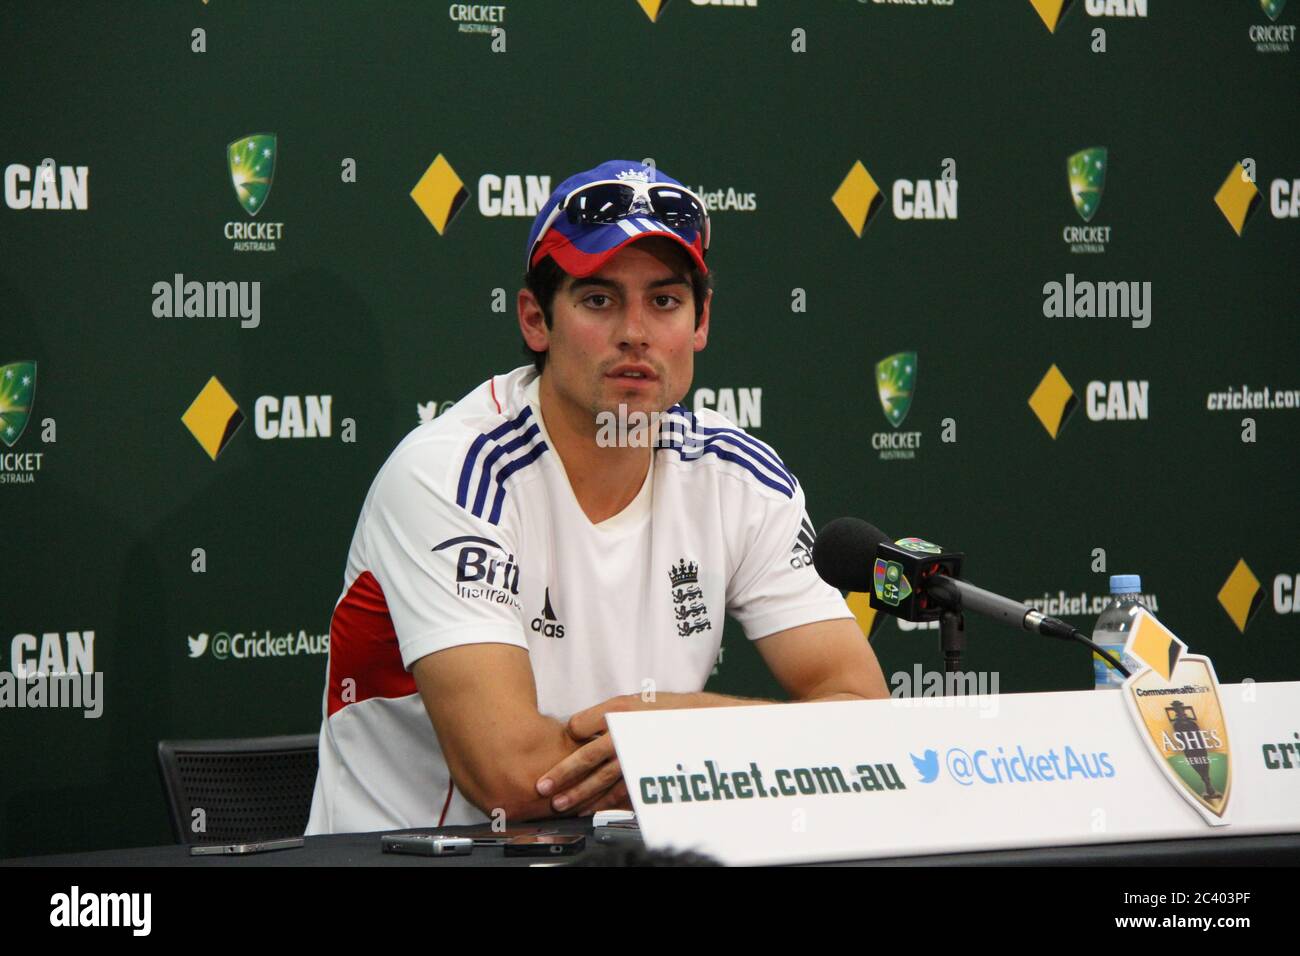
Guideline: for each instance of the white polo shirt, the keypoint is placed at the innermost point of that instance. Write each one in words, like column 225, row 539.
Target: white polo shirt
column 471, row 533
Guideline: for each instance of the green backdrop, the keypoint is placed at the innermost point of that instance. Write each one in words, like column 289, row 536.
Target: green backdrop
column 365, row 300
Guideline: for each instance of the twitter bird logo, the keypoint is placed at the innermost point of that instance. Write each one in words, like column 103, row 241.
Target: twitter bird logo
column 200, row 644
column 927, row 766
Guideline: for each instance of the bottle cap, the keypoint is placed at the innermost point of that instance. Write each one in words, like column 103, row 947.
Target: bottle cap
column 1125, row 584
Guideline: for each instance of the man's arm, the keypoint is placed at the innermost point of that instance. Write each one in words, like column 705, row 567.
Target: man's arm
column 821, row 661
column 482, row 702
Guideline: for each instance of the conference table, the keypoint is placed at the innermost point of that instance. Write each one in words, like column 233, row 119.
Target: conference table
column 362, row 849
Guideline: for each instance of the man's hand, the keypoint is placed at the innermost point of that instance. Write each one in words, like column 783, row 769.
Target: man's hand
column 590, row 778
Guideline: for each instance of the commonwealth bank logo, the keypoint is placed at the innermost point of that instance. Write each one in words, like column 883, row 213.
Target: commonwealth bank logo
column 895, row 382
column 1053, row 401
column 858, row 198
column 252, row 168
column 440, row 194
column 17, row 392
column 1051, row 11
column 213, row 418
column 1237, row 198
column 1087, row 174
column 652, row 8
column 1241, row 595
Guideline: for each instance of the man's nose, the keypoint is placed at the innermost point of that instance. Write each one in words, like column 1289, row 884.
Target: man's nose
column 634, row 329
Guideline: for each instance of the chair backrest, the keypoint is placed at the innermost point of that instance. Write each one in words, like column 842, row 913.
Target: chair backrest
column 255, row 788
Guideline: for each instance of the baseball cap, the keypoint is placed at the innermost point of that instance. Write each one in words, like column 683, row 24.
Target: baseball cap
column 582, row 248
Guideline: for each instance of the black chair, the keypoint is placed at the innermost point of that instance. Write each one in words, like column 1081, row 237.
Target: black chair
column 256, row 788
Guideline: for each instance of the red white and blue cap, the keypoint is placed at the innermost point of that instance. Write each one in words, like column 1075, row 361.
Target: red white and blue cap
column 581, row 249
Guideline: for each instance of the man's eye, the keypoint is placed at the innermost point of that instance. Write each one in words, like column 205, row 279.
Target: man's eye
column 591, row 300
column 667, row 301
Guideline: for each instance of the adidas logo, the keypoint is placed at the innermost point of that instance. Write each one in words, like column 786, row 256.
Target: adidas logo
column 803, row 545
column 546, row 623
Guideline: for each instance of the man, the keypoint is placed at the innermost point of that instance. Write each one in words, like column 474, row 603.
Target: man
column 522, row 566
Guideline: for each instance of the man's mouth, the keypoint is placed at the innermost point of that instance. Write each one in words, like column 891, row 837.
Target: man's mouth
column 632, row 373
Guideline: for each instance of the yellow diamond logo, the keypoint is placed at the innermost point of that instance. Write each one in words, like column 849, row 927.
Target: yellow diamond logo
column 652, row 8
column 439, row 194
column 213, row 418
column 1051, row 11
column 858, row 198
column 1237, row 198
column 860, row 604
column 1053, row 401
column 1241, row 595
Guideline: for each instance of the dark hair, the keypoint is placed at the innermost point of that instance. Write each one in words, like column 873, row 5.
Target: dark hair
column 545, row 278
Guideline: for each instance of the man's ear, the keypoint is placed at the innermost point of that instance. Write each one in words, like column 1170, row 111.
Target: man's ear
column 532, row 321
column 702, row 330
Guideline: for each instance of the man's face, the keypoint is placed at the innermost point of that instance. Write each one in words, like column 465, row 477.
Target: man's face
column 626, row 334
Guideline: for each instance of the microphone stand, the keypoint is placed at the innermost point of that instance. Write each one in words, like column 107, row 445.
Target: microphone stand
column 952, row 639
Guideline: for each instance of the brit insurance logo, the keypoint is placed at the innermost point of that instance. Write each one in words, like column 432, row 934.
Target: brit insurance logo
column 1054, row 400
column 485, row 571
column 214, row 417
column 1052, row 12
column 895, row 386
column 17, row 396
column 251, row 164
column 859, row 199
column 1086, row 174
column 1272, row 37
column 440, row 193
column 48, row 186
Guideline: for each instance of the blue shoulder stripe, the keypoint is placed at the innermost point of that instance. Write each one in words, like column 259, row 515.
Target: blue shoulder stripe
column 685, row 433
column 495, row 466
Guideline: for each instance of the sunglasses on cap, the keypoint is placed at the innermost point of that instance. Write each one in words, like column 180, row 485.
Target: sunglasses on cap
column 609, row 200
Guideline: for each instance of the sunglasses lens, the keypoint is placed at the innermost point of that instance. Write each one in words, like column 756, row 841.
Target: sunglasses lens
column 600, row 203
column 676, row 208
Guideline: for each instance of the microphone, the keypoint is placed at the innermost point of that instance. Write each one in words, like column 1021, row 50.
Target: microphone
column 916, row 580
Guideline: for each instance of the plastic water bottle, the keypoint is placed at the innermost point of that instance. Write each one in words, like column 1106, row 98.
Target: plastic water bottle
column 1111, row 629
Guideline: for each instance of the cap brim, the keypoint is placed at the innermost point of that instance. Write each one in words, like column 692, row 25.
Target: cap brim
column 590, row 247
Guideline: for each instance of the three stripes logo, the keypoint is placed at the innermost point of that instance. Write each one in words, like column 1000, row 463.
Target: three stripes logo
column 801, row 556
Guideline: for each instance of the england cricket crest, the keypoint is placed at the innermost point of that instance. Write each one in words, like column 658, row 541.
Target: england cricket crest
column 689, row 609
column 1174, row 698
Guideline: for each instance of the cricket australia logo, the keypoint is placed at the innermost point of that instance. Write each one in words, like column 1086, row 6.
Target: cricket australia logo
column 689, row 609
